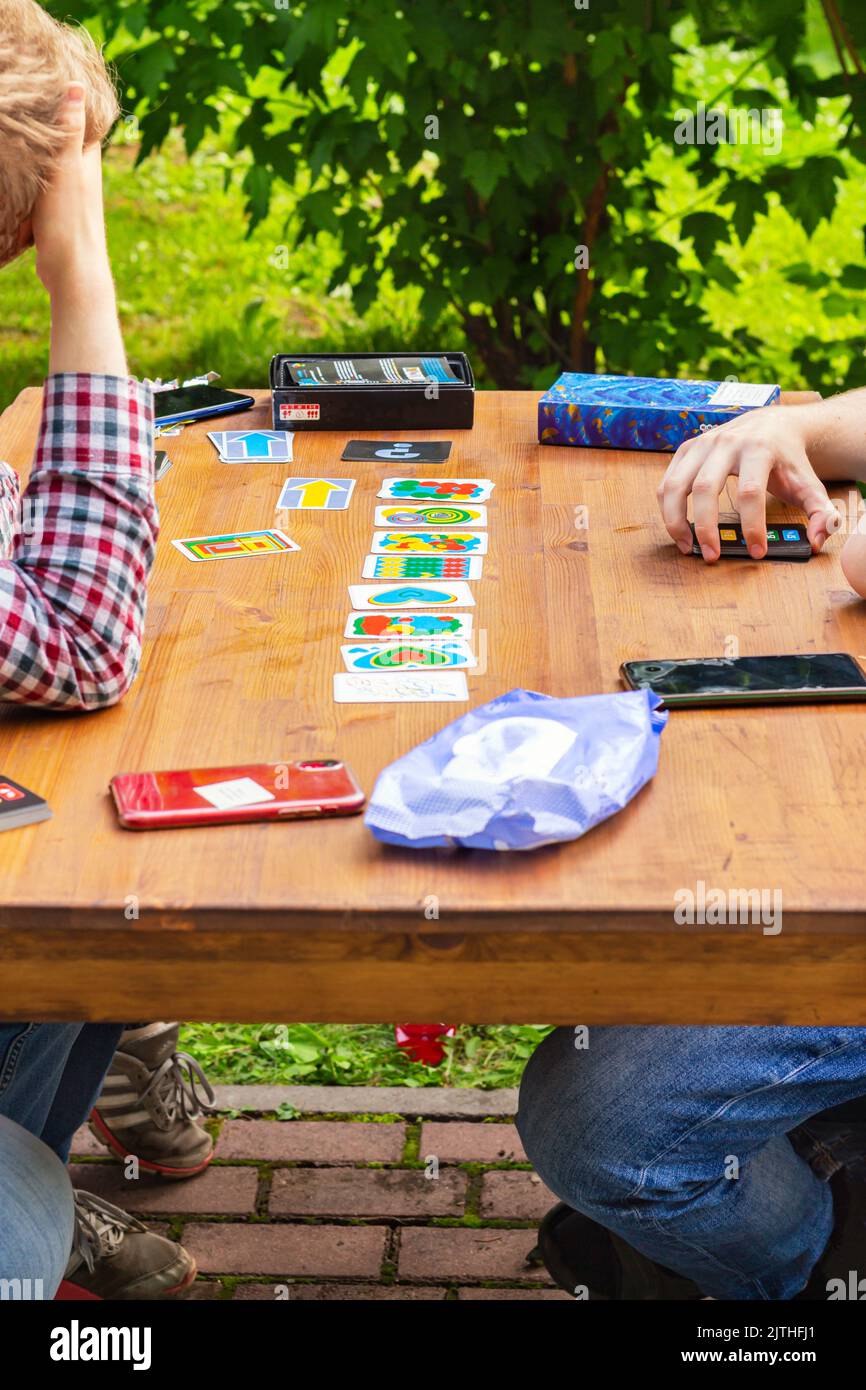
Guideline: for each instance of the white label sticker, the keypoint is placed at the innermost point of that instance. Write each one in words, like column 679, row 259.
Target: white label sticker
column 243, row 791
column 741, row 393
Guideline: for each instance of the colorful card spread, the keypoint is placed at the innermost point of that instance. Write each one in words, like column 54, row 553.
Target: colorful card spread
column 437, row 489
column 366, row 597
column 253, row 446
column 420, row 623
column 408, row 656
column 316, row 494
column 422, row 567
column 435, row 687
column 410, row 515
column 429, row 543
column 420, row 451
column 232, row 544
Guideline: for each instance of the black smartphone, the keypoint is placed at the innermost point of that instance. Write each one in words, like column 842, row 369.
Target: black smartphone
column 197, row 403
column 749, row 680
column 785, row 541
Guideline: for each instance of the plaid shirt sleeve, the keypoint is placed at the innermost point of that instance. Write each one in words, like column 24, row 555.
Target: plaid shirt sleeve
column 73, row 580
column 9, row 504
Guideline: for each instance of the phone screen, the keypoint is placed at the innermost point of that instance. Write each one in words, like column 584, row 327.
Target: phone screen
column 192, row 400
column 747, row 676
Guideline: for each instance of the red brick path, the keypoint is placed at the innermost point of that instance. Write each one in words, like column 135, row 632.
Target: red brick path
column 317, row 1208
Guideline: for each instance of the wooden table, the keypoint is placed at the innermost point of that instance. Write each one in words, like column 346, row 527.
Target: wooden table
column 316, row 920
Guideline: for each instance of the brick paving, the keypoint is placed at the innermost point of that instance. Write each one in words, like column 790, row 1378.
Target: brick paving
column 342, row 1206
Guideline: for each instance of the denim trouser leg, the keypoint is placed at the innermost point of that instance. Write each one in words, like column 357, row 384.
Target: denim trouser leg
column 676, row 1139
column 36, row 1214
column 50, row 1075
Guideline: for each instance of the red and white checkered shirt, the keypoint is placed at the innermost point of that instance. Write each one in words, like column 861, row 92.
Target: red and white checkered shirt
column 77, row 546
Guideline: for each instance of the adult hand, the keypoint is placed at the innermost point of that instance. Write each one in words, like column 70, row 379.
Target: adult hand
column 764, row 451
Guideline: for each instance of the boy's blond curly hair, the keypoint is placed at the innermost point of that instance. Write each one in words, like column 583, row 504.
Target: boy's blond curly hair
column 39, row 57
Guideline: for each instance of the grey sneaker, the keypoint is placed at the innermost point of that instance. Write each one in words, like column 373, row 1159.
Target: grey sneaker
column 150, row 1104
column 114, row 1256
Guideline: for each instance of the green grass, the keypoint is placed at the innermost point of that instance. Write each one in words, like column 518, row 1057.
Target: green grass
column 364, row 1055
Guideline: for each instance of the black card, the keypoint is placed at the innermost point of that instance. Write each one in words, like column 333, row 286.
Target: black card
column 397, row 451
column 18, row 806
column 162, row 464
column 786, row 540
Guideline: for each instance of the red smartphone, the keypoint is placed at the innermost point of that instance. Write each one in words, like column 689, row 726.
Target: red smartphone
column 249, row 792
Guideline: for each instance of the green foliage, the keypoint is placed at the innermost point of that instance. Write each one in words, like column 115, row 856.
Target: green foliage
column 335, row 1054
column 555, row 131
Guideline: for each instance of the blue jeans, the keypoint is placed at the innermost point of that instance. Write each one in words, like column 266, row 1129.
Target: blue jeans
column 51, row 1075
column 36, row 1215
column 698, row 1146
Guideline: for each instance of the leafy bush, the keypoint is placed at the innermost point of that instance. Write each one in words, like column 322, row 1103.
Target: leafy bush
column 512, row 160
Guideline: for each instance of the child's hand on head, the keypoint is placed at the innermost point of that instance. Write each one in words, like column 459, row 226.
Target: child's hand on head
column 68, row 222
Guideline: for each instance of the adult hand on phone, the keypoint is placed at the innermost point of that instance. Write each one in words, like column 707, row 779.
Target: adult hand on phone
column 762, row 451
column 68, row 228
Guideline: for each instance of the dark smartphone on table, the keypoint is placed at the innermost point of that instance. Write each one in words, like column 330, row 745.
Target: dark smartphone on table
column 786, row 540
column 749, row 680
column 197, row 403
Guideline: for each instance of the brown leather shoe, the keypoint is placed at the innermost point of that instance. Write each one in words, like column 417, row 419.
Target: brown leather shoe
column 115, row 1257
column 150, row 1104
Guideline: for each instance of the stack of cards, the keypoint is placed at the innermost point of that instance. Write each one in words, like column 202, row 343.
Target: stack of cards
column 435, row 541
column 18, row 806
column 253, row 446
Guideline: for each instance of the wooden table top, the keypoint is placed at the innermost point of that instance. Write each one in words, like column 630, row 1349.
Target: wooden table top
column 315, row 919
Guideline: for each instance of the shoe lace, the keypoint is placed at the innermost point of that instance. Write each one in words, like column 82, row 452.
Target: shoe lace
column 176, row 1083
column 99, row 1227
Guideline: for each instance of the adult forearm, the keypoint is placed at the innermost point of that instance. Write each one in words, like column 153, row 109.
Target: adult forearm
column 85, row 333
column 834, row 433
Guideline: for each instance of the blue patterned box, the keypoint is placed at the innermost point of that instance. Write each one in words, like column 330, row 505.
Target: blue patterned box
column 638, row 412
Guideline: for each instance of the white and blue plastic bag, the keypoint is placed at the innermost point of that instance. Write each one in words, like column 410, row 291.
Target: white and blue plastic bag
column 523, row 771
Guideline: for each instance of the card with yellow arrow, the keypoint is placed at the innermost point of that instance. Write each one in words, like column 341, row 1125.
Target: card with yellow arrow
column 316, row 494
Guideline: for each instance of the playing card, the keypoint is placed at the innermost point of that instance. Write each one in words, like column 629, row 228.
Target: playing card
column 411, row 623
column 316, row 494
column 233, row 544
column 435, row 687
column 408, row 656
column 437, row 489
column 422, row 567
column 429, row 543
column 370, row 597
column 408, row 515
column 161, row 463
column 415, row 451
column 253, row 446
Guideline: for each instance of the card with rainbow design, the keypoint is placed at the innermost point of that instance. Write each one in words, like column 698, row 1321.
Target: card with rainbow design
column 233, row 544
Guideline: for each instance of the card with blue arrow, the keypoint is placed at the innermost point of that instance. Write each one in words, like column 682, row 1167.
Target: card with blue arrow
column 253, row 446
column 316, row 494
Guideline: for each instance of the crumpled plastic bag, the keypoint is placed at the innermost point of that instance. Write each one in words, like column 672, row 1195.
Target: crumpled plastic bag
column 523, row 771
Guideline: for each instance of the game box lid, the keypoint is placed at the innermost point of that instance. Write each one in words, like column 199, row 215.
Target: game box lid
column 371, row 390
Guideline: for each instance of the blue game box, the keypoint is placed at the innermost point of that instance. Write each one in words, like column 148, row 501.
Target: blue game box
column 638, row 412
